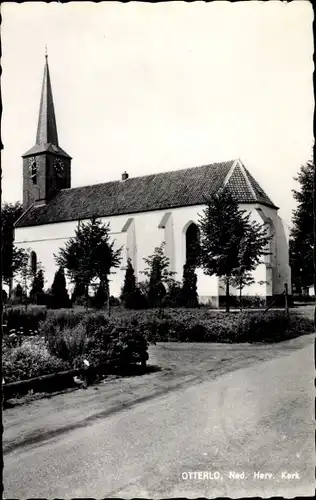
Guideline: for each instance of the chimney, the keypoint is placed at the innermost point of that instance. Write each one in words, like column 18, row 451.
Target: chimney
column 124, row 176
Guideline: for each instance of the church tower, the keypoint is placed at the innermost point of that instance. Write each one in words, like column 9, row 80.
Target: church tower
column 46, row 167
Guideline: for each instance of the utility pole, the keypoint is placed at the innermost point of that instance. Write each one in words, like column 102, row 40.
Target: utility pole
column 314, row 205
column 286, row 297
column 1, row 304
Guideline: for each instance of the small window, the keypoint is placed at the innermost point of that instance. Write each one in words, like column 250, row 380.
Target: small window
column 33, row 171
column 33, row 262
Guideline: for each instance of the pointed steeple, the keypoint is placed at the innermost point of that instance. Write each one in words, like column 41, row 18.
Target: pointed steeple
column 46, row 137
column 46, row 167
column 46, row 128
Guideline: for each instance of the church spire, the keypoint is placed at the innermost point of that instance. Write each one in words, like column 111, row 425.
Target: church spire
column 47, row 129
column 46, row 166
column 46, row 136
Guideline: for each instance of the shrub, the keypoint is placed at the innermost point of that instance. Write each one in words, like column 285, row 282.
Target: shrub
column 114, row 301
column 258, row 327
column 100, row 297
column 158, row 274
column 173, row 298
column 135, row 300
column 129, row 344
column 70, row 318
column 252, row 301
column 18, row 296
column 299, row 325
column 28, row 361
column 189, row 296
column 69, row 344
column 59, row 320
column 37, row 290
column 131, row 295
column 303, row 298
column 272, row 326
column 98, row 342
column 117, row 341
column 129, row 286
column 67, row 333
column 73, row 335
column 58, row 294
column 78, row 294
column 11, row 339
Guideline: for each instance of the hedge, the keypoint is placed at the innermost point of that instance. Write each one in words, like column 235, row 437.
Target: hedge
column 204, row 325
column 186, row 325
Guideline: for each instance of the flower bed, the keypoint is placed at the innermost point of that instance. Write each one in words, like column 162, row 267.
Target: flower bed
column 193, row 325
column 31, row 359
column 73, row 336
column 67, row 337
column 25, row 321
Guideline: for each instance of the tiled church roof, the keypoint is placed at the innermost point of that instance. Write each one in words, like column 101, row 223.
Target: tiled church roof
column 165, row 190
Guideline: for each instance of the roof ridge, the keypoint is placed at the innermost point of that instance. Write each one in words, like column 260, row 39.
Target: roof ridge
column 159, row 191
column 244, row 172
column 151, row 175
column 230, row 173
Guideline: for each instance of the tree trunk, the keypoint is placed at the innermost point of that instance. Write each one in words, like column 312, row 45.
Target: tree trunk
column 108, row 299
column 86, row 296
column 240, row 298
column 25, row 293
column 227, row 295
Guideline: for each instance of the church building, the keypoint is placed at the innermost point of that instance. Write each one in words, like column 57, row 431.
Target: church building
column 142, row 211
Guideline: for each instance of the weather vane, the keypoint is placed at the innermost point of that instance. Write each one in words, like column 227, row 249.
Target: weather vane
column 46, row 51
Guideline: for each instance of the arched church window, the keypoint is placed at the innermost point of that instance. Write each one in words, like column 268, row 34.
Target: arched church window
column 33, row 262
column 192, row 240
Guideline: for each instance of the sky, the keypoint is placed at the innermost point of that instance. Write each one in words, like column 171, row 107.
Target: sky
column 149, row 88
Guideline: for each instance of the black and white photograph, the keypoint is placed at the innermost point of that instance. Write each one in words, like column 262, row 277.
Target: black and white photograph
column 157, row 249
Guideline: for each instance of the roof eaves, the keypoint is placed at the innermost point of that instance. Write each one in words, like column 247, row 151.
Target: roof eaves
column 115, row 214
column 22, row 216
column 263, row 203
column 46, row 148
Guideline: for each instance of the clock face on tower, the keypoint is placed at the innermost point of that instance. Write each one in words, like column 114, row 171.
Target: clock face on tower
column 59, row 167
